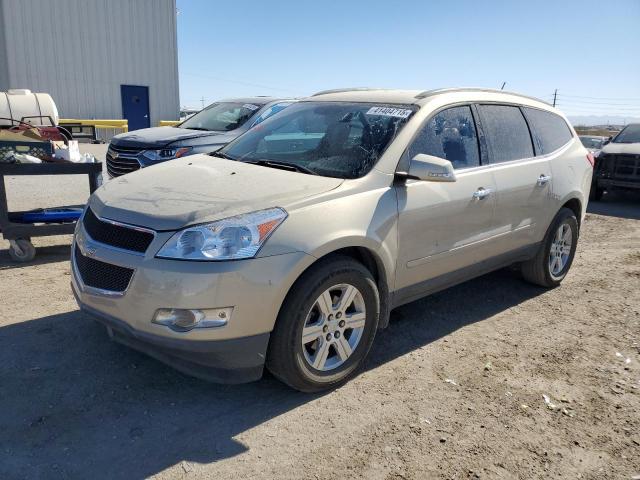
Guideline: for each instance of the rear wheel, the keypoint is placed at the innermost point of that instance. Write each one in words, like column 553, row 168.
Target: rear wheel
column 326, row 326
column 555, row 256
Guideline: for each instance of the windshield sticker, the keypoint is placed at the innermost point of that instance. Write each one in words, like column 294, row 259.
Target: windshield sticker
column 390, row 112
column 250, row 106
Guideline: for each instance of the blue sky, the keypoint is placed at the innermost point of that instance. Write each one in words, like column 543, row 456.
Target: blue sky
column 588, row 50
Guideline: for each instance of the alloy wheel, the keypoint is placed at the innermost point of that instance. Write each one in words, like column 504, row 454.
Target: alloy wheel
column 333, row 327
column 560, row 250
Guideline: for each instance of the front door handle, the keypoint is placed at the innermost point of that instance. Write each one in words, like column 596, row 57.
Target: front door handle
column 543, row 180
column 482, row 193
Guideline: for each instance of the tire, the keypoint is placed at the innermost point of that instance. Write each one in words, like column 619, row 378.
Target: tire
column 22, row 250
column 292, row 361
column 540, row 270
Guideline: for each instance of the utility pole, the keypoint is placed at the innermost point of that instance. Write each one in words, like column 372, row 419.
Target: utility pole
column 555, row 94
column 202, row 101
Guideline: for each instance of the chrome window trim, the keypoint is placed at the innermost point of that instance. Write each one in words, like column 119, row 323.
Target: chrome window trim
column 470, row 103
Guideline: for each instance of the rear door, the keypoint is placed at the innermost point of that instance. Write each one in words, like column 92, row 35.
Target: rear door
column 444, row 226
column 523, row 181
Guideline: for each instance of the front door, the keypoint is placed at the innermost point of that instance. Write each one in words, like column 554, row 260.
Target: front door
column 135, row 106
column 445, row 226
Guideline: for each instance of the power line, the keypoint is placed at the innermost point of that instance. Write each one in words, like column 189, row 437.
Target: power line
column 239, row 82
column 588, row 102
column 601, row 98
column 597, row 107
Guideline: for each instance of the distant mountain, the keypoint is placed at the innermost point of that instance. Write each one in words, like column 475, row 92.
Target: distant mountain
column 588, row 120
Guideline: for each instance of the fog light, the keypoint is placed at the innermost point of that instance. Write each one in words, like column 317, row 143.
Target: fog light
column 183, row 320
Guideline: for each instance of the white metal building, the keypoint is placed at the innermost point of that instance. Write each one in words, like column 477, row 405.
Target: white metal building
column 97, row 58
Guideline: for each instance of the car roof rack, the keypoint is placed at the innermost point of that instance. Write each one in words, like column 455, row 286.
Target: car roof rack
column 437, row 91
column 340, row 90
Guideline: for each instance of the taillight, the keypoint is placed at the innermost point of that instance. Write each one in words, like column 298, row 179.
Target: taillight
column 591, row 159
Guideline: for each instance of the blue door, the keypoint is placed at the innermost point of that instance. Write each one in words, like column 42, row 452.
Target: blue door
column 135, row 106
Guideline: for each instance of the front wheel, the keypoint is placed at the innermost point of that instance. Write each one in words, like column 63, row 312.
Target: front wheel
column 326, row 326
column 555, row 256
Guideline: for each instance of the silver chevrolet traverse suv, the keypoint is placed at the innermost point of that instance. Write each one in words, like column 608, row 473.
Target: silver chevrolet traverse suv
column 290, row 246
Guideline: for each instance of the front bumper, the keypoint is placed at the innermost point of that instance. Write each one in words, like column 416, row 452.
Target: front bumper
column 236, row 360
column 232, row 353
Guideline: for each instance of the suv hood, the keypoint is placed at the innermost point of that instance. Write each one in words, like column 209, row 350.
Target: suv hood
column 629, row 148
column 159, row 137
column 199, row 189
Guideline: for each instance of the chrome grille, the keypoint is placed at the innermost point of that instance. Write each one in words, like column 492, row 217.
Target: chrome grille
column 121, row 161
column 116, row 235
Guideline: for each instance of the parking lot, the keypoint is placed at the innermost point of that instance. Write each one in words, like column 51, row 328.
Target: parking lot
column 454, row 388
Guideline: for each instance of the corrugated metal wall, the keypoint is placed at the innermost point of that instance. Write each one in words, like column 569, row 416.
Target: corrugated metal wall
column 4, row 68
column 81, row 51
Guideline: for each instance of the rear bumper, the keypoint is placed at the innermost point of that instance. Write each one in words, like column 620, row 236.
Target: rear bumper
column 237, row 360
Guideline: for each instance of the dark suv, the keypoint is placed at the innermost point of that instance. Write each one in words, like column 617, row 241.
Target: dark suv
column 205, row 132
column 618, row 165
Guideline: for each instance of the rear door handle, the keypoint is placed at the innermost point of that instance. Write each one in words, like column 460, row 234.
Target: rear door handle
column 482, row 193
column 543, row 180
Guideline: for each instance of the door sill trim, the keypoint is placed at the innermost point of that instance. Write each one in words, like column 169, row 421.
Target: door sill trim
column 414, row 292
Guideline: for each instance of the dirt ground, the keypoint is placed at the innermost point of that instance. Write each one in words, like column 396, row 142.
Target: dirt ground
column 454, row 387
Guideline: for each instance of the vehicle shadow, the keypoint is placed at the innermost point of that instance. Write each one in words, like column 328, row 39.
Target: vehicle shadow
column 74, row 404
column 617, row 204
column 44, row 255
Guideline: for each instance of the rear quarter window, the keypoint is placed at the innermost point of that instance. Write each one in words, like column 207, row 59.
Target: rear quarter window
column 550, row 131
column 506, row 132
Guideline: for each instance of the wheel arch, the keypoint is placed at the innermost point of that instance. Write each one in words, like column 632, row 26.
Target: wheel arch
column 375, row 265
column 372, row 261
column 576, row 206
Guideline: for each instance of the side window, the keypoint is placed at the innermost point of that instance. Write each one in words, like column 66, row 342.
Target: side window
column 450, row 134
column 549, row 130
column 506, row 133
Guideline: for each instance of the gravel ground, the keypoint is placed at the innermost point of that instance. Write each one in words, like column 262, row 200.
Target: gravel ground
column 454, row 387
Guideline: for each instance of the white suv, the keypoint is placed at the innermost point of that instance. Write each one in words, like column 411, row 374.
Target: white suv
column 290, row 246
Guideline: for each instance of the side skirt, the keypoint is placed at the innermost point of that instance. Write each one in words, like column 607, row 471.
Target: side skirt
column 433, row 285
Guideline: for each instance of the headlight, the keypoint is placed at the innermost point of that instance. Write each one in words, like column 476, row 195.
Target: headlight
column 166, row 153
column 229, row 239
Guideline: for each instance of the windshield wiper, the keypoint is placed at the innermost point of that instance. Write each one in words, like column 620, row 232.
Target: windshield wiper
column 222, row 155
column 197, row 128
column 282, row 165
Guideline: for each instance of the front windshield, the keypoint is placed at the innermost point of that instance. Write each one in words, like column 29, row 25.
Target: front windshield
column 222, row 117
column 333, row 139
column 592, row 142
column 630, row 134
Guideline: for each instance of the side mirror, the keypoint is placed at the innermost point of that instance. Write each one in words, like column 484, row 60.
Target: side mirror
column 431, row 169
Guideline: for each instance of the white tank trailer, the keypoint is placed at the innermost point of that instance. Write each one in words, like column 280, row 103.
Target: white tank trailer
column 22, row 105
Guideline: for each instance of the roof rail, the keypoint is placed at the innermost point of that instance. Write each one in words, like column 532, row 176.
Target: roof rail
column 428, row 93
column 340, row 90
